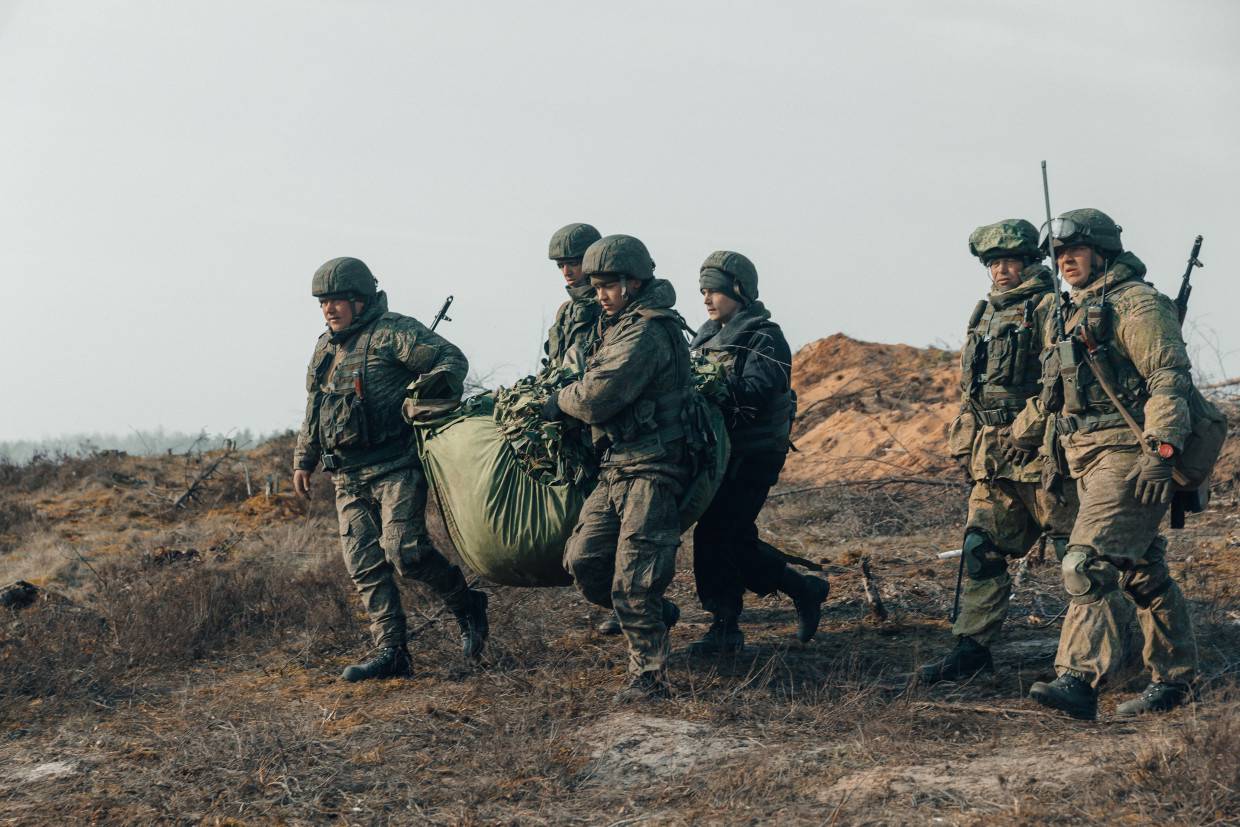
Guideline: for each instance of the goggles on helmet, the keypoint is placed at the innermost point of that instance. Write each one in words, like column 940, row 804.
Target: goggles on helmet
column 1062, row 229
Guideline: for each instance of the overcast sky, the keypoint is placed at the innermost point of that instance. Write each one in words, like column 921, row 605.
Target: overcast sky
column 171, row 174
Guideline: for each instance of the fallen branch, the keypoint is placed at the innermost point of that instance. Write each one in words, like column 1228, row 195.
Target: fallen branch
column 1226, row 383
column 194, row 487
column 877, row 482
column 871, row 591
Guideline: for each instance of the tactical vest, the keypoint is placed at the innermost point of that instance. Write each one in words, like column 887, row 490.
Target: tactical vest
column 1000, row 360
column 1069, row 387
column 658, row 417
column 575, row 324
column 356, row 429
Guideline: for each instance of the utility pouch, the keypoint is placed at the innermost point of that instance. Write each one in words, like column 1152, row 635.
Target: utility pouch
column 1052, row 384
column 342, row 422
column 1074, row 399
column 999, row 358
column 1020, row 358
column 974, row 359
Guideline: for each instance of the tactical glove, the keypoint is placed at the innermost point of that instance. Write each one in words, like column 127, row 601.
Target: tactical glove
column 1017, row 452
column 1153, row 476
column 551, row 408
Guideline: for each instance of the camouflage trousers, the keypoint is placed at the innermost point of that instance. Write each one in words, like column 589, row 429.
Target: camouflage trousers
column 382, row 535
column 1011, row 516
column 1116, row 558
column 622, row 555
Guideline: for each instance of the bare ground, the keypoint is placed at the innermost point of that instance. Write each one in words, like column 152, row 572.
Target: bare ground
column 181, row 667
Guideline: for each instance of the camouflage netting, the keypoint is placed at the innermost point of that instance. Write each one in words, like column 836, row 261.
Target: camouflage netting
column 550, row 452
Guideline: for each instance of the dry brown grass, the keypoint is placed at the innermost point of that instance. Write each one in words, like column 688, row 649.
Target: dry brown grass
column 193, row 678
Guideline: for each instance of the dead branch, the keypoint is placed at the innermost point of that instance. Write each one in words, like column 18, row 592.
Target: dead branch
column 195, row 487
column 1226, row 383
column 871, row 591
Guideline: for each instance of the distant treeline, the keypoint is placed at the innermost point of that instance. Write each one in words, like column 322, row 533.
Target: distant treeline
column 158, row 441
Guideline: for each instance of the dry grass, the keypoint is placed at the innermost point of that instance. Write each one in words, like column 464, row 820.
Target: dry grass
column 193, row 679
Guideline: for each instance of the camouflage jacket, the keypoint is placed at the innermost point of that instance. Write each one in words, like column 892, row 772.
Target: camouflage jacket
column 1138, row 332
column 568, row 340
column 1000, row 369
column 757, row 398
column 636, row 387
column 390, row 358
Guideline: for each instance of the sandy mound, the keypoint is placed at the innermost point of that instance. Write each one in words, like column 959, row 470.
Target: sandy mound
column 871, row 410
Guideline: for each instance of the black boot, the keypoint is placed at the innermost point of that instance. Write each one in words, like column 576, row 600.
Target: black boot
column 966, row 660
column 610, row 626
column 808, row 594
column 388, row 662
column 648, row 686
column 724, row 637
column 671, row 614
column 1157, row 697
column 471, row 616
column 1069, row 694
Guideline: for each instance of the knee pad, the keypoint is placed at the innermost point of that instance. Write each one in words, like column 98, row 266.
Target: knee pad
column 1086, row 577
column 982, row 559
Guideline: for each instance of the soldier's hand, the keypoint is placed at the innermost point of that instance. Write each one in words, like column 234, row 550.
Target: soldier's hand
column 1154, row 476
column 551, row 408
column 965, row 461
column 1015, row 451
column 301, row 483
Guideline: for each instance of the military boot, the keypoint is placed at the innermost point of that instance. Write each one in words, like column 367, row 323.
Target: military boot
column 387, row 662
column 648, row 686
column 671, row 614
column 1157, row 697
column 808, row 594
column 471, row 616
column 1069, row 694
column 724, row 637
column 966, row 660
column 610, row 626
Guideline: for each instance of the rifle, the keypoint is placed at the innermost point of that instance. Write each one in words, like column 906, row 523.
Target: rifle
column 442, row 315
column 1050, row 244
column 1186, row 289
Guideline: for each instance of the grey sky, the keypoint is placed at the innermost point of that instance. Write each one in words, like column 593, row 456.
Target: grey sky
column 172, row 173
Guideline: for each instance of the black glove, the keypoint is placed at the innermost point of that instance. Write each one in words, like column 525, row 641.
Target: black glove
column 1015, row 451
column 1154, row 477
column 551, row 408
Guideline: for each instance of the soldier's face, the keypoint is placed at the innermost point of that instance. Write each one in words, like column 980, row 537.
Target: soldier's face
column 719, row 306
column 1005, row 272
column 570, row 269
column 1077, row 263
column 338, row 313
column 613, row 296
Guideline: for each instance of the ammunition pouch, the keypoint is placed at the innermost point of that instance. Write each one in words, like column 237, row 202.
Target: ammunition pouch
column 342, row 422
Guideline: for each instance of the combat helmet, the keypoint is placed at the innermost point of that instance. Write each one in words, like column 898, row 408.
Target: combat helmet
column 618, row 256
column 344, row 277
column 1088, row 226
column 730, row 272
column 1010, row 238
column 571, row 241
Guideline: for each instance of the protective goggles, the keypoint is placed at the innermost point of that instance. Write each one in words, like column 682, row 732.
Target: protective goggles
column 1060, row 229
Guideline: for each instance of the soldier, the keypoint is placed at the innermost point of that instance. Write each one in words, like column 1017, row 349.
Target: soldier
column 1115, row 552
column 728, row 557
column 575, row 320
column 634, row 394
column 1009, row 509
column 568, row 340
column 364, row 366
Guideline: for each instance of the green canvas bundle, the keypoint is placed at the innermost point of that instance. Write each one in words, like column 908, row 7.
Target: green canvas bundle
column 511, row 486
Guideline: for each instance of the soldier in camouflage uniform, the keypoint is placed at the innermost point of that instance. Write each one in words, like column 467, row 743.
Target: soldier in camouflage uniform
column 370, row 370
column 1115, row 552
column 634, row 395
column 575, row 320
column 568, row 340
column 728, row 556
column 1009, row 509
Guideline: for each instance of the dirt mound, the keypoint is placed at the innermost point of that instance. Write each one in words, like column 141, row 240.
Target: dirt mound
column 871, row 410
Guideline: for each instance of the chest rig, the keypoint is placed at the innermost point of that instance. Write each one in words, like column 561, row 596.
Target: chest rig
column 348, row 428
column 1000, row 360
column 1069, row 387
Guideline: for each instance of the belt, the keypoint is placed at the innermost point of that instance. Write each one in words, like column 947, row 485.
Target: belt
column 995, row 416
column 1087, row 423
